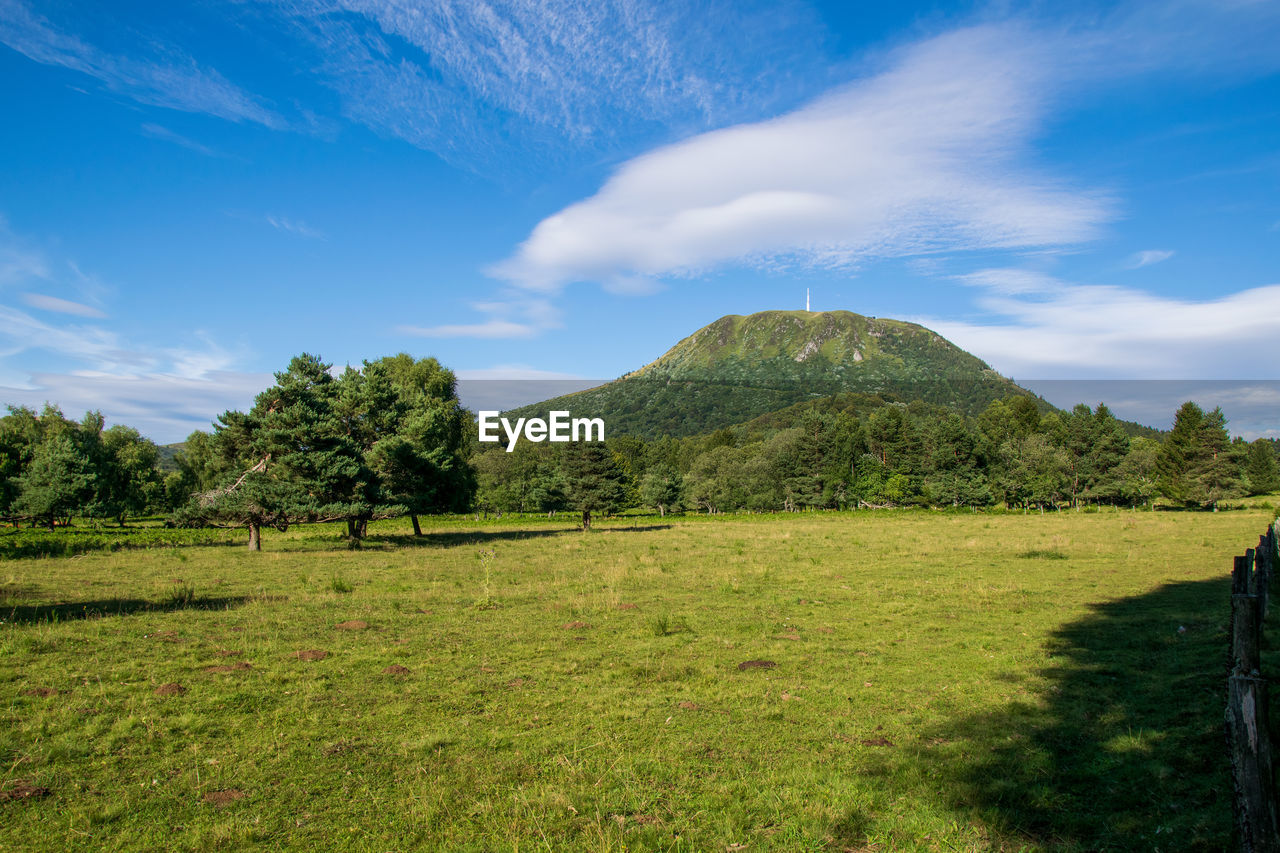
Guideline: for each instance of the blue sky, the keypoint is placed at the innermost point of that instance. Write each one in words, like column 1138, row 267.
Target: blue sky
column 193, row 193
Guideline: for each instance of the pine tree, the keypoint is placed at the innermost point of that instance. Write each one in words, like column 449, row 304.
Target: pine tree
column 1217, row 470
column 58, row 481
column 1108, row 447
column 418, row 452
column 1179, row 454
column 1261, row 468
column 594, row 481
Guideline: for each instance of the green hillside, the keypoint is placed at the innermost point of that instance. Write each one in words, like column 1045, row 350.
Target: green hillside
column 741, row 367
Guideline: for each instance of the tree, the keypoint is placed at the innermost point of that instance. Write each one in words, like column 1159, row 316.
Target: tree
column 954, row 464
column 1036, row 472
column 20, row 434
column 1180, row 454
column 593, row 479
column 1135, row 478
column 1217, row 471
column 58, row 481
column 419, row 452
column 660, row 488
column 1261, row 468
column 1108, row 448
column 1197, row 464
column 251, row 490
column 129, row 482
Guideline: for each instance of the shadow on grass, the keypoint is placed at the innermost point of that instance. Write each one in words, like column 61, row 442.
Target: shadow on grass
column 481, row 537
column 1125, row 748
column 27, row 614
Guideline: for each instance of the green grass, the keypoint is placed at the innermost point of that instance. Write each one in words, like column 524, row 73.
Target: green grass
column 939, row 683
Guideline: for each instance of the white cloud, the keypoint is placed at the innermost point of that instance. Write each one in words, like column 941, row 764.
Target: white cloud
column 165, row 393
column 515, row 316
column 171, row 79
column 925, row 156
column 512, row 371
column 294, row 226
column 1252, row 407
column 156, row 131
column 1148, row 257
column 1078, row 331
column 487, row 329
column 164, row 407
column 440, row 74
column 61, row 306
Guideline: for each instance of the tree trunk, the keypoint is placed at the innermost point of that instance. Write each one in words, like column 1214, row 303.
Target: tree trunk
column 362, row 527
column 255, row 536
column 586, row 519
column 51, row 524
column 417, row 528
column 662, row 511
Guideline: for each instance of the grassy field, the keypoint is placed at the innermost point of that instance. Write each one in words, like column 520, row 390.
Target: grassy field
column 868, row 681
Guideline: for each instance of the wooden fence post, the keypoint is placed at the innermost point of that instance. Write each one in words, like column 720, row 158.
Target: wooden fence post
column 1246, row 645
column 1256, row 825
column 1264, row 562
column 1241, row 572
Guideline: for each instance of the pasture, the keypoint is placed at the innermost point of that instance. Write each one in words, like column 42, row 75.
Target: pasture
column 833, row 681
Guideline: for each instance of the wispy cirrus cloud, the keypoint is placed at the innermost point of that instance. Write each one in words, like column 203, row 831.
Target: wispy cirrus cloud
column 157, row 131
column 511, row 316
column 927, row 155
column 294, row 226
column 61, row 306
column 1148, row 257
column 164, row 77
column 442, row 74
column 83, row 364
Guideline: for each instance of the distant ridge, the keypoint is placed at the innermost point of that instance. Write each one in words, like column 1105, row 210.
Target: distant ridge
column 741, row 367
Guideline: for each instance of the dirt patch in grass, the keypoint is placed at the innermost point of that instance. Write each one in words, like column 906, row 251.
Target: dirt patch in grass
column 311, row 654
column 222, row 799
column 626, row 606
column 172, row 688
column 789, row 635
column 228, row 653
column 756, row 664
column 396, row 669
column 22, row 789
column 352, row 625
column 877, row 741
column 517, row 683
column 574, row 626
column 235, row 667
column 686, row 705
column 42, row 692
column 166, row 636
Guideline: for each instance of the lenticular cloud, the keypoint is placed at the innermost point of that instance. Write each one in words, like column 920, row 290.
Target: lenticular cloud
column 923, row 157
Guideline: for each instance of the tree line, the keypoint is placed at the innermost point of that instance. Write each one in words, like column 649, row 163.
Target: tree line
column 390, row 439
column 857, row 451
column 386, row 439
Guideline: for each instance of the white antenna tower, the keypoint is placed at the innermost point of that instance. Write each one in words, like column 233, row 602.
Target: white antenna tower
column 806, row 299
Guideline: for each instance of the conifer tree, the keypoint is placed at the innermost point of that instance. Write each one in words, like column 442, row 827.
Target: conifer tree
column 593, row 480
column 57, row 482
column 1261, row 468
column 1179, row 454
